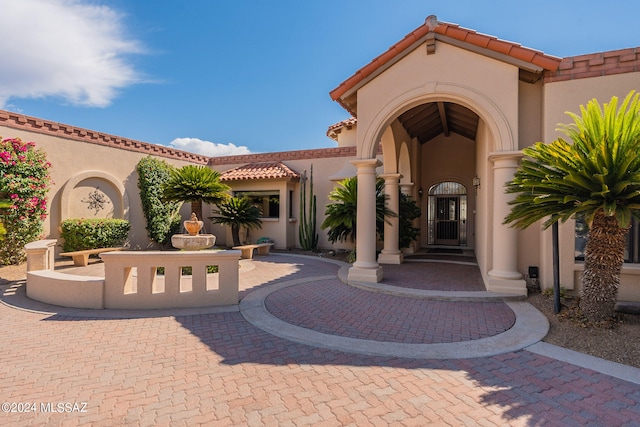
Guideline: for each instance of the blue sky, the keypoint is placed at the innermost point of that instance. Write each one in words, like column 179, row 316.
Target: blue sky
column 226, row 77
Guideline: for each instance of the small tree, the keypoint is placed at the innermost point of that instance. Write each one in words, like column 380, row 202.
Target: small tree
column 24, row 181
column 163, row 218
column 237, row 212
column 409, row 211
column 596, row 175
column 195, row 184
column 341, row 216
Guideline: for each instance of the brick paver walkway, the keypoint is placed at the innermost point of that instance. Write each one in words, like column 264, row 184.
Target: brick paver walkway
column 217, row 369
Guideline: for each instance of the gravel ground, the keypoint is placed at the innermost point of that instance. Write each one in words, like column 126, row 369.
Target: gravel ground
column 617, row 342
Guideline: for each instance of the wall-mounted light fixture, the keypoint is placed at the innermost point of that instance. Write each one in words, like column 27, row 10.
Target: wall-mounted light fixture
column 420, row 192
column 476, row 181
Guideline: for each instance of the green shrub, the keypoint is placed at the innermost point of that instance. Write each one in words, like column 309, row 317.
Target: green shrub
column 80, row 234
column 163, row 218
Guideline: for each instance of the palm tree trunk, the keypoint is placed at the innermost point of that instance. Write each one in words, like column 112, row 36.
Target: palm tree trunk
column 603, row 259
column 196, row 207
column 235, row 234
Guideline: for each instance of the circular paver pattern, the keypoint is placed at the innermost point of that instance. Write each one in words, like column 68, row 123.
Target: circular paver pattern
column 331, row 307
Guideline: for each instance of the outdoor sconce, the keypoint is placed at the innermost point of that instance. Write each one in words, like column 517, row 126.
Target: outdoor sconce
column 476, row 181
column 420, row 192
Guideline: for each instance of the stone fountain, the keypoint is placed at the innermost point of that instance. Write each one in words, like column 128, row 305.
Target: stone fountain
column 193, row 241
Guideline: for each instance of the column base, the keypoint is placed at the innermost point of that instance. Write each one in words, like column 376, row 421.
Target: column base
column 507, row 286
column 391, row 258
column 369, row 275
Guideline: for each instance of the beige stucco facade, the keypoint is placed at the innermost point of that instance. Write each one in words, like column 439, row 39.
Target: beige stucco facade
column 442, row 116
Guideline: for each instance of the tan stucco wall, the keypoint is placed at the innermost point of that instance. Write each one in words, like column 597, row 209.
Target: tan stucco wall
column 490, row 90
column 95, row 165
column 483, row 206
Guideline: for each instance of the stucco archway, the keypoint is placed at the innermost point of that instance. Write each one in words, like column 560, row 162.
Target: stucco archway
column 494, row 138
column 113, row 191
column 370, row 132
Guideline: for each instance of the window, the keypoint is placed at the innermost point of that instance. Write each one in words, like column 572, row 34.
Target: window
column 631, row 251
column 267, row 201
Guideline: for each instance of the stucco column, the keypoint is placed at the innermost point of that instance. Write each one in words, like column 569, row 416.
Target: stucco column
column 406, row 187
column 366, row 268
column 391, row 254
column 504, row 276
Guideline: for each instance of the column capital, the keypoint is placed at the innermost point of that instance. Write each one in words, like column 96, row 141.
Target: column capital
column 368, row 165
column 502, row 159
column 391, row 177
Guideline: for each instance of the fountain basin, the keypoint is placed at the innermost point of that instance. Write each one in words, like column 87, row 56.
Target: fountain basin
column 193, row 243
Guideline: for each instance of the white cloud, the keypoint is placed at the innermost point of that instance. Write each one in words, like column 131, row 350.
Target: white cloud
column 73, row 49
column 207, row 148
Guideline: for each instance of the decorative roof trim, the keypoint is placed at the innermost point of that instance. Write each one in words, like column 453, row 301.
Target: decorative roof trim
column 596, row 65
column 45, row 127
column 447, row 32
column 318, row 153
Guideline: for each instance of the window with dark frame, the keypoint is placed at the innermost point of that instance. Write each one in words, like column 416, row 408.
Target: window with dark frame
column 631, row 252
column 268, row 201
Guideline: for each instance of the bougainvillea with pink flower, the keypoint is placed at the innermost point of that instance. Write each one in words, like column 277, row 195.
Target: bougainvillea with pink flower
column 24, row 182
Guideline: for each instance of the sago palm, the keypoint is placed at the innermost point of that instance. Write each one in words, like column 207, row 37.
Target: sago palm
column 237, row 212
column 596, row 175
column 195, row 184
column 341, row 216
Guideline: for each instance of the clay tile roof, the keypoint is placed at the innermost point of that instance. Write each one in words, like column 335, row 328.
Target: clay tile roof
column 455, row 32
column 336, row 128
column 270, row 170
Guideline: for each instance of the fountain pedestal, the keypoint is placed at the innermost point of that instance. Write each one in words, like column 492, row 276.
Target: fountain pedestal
column 193, row 241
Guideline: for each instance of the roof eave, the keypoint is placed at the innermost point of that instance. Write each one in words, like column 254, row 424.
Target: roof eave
column 532, row 62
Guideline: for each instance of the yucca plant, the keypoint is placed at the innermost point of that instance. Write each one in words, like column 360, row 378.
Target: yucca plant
column 195, row 184
column 237, row 212
column 341, row 216
column 596, row 175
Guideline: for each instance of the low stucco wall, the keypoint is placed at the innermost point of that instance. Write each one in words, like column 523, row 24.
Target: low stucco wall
column 629, row 289
column 132, row 282
column 66, row 290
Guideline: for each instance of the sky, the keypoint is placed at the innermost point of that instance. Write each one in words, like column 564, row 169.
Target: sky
column 237, row 76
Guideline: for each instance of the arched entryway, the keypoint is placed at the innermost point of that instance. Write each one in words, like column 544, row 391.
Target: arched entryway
column 447, row 214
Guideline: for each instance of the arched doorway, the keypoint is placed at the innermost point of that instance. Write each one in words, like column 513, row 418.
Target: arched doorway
column 447, row 214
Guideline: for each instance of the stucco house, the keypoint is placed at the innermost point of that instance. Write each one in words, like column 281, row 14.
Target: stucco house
column 442, row 115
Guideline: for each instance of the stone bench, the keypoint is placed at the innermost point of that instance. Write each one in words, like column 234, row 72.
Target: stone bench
column 81, row 258
column 247, row 250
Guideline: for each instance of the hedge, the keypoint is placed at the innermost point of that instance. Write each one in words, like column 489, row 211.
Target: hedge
column 81, row 234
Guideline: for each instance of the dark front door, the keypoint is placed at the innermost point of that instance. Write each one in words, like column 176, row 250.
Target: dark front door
column 447, row 224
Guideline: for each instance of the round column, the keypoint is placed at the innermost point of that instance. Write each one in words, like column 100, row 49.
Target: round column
column 391, row 254
column 366, row 268
column 505, row 238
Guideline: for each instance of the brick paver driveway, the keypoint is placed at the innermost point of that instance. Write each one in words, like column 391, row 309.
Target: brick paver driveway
column 70, row 369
